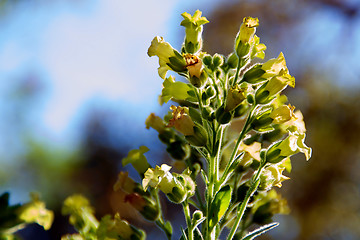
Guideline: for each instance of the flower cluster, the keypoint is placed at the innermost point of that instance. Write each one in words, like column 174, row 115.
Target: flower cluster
column 230, row 130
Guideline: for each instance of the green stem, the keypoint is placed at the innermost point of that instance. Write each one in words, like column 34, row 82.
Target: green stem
column 241, row 208
column 233, row 154
column 218, row 154
column 161, row 222
column 188, row 219
column 241, row 63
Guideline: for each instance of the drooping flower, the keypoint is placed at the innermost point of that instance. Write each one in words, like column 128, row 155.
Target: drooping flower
column 291, row 145
column 155, row 122
column 169, row 58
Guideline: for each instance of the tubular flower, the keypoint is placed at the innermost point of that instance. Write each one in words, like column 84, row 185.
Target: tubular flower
column 252, row 151
column 155, row 122
column 272, row 176
column 275, row 85
column 282, row 114
column 234, row 98
column 145, row 205
column 181, row 120
column 269, row 69
column 169, row 58
column 35, row 211
column 248, row 29
column 291, row 145
column 195, row 67
column 244, row 41
column 193, row 30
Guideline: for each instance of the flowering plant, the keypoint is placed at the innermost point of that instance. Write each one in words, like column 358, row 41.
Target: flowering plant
column 231, row 129
column 239, row 169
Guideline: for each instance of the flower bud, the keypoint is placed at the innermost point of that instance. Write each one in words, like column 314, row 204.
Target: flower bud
column 179, row 150
column 199, row 137
column 197, row 215
column 241, row 110
column 232, row 60
column 222, row 116
column 193, row 30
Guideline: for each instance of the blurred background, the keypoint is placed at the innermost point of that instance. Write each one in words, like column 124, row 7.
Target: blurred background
column 76, row 86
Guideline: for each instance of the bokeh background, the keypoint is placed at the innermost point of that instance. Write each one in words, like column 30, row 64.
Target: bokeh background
column 76, row 86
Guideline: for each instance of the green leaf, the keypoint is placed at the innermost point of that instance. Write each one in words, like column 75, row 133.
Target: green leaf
column 219, row 205
column 260, row 231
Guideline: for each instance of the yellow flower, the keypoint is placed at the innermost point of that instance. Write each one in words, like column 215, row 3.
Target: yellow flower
column 291, row 145
column 234, row 98
column 125, row 183
column 248, row 29
column 282, row 114
column 169, row 58
column 35, row 211
column 273, row 66
column 193, row 30
column 252, row 151
column 181, row 120
column 137, row 159
column 155, row 122
column 159, row 177
column 193, row 65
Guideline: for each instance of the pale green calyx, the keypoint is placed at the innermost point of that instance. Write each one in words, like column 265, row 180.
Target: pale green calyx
column 169, row 58
column 193, row 30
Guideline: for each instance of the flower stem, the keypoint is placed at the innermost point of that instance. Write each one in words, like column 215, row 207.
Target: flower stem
column 241, row 208
column 233, row 154
column 188, row 220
